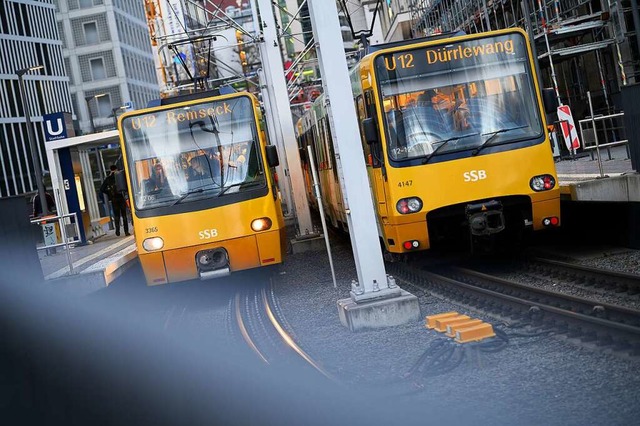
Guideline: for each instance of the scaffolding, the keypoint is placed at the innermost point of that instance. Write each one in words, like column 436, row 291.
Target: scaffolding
column 572, row 38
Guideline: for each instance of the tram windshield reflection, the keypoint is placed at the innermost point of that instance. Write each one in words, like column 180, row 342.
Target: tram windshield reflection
column 202, row 150
column 458, row 100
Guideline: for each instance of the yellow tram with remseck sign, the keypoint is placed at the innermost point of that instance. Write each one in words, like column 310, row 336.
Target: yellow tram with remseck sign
column 202, row 187
column 454, row 136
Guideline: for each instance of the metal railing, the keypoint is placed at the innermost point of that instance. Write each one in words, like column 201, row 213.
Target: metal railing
column 64, row 224
column 609, row 130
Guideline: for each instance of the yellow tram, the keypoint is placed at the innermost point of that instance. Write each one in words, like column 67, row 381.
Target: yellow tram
column 454, row 136
column 201, row 183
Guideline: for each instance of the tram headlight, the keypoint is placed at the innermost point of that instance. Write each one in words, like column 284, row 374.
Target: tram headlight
column 261, row 224
column 409, row 205
column 542, row 183
column 153, row 244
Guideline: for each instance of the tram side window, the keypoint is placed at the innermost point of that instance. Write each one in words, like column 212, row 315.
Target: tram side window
column 327, row 145
column 370, row 110
column 318, row 143
column 302, row 149
column 359, row 102
column 314, row 145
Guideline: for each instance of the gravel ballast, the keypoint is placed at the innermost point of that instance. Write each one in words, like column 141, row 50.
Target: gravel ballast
column 532, row 380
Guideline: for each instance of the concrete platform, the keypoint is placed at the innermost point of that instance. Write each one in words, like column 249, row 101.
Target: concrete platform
column 379, row 313
column 583, row 168
column 619, row 189
column 95, row 265
column 608, row 207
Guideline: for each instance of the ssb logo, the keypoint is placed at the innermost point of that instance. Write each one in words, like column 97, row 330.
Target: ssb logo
column 474, row 175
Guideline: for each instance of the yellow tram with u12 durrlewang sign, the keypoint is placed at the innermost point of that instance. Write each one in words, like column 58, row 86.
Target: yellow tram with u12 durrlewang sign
column 201, row 183
column 454, row 136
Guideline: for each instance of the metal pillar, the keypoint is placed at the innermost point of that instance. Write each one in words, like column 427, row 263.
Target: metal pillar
column 93, row 127
column 91, row 197
column 636, row 22
column 274, row 72
column 105, row 198
column 372, row 278
column 88, row 101
column 486, row 14
column 623, row 75
column 272, row 129
column 57, row 182
column 524, row 4
column 275, row 135
column 543, row 17
column 32, row 140
column 595, row 135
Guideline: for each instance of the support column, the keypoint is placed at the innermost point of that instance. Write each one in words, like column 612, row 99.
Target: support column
column 90, row 194
column 373, row 293
column 284, row 185
column 532, row 41
column 57, row 182
column 278, row 96
column 636, row 22
column 275, row 135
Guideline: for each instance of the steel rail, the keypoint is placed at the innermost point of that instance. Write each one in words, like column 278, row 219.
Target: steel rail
column 620, row 280
column 263, row 312
column 629, row 315
column 623, row 337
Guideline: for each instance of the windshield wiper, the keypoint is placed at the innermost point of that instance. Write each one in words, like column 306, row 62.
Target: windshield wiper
column 193, row 191
column 444, row 142
column 226, row 188
column 492, row 137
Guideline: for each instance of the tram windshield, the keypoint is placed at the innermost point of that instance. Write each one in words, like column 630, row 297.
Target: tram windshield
column 461, row 96
column 193, row 152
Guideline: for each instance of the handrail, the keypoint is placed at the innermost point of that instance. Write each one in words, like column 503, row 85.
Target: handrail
column 63, row 231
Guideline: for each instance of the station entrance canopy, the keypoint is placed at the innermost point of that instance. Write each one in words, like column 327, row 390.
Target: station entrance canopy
column 72, row 178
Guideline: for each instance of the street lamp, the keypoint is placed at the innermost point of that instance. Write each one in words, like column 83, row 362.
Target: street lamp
column 31, row 138
column 114, row 112
column 87, row 100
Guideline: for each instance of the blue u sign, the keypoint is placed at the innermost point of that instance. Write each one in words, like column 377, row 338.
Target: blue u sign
column 57, row 126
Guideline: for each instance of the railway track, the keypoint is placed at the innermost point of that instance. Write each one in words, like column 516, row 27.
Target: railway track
column 584, row 276
column 586, row 321
column 255, row 317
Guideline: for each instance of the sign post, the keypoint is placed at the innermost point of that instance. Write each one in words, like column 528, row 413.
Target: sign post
column 568, row 128
column 595, row 135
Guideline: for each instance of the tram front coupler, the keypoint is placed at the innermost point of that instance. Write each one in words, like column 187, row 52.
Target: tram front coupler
column 213, row 263
column 485, row 218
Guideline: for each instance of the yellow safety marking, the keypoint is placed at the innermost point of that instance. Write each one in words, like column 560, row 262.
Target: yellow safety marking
column 452, row 328
column 441, row 324
column 430, row 320
column 474, row 333
column 461, row 327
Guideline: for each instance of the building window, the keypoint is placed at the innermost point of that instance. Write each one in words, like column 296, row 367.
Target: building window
column 85, row 4
column 104, row 105
column 91, row 33
column 98, row 72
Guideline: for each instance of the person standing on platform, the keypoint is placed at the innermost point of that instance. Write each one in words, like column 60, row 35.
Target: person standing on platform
column 117, row 201
column 37, row 206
